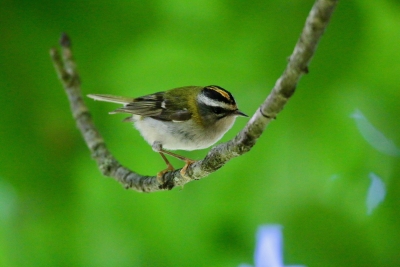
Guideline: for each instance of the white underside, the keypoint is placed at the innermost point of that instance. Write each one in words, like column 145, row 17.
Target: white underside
column 181, row 135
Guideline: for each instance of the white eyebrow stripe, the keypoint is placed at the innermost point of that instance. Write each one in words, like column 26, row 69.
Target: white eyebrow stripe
column 213, row 103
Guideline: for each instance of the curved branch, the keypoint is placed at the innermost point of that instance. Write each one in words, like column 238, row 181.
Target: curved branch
column 284, row 88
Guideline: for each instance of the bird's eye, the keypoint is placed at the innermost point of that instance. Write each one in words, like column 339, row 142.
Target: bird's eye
column 218, row 110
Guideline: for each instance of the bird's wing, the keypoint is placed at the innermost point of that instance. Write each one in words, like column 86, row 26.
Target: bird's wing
column 153, row 105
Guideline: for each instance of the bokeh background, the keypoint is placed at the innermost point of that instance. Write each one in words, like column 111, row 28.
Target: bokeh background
column 313, row 171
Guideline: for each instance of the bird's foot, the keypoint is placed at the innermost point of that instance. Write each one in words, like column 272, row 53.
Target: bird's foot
column 161, row 173
column 184, row 169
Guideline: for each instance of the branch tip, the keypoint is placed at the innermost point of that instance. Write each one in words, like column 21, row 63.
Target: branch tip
column 65, row 41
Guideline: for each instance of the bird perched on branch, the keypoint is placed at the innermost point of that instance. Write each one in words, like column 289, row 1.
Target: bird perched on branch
column 184, row 118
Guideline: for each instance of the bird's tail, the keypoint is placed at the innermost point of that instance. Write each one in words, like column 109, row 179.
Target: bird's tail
column 112, row 98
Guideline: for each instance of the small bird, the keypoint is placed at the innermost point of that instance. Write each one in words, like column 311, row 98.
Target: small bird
column 184, row 118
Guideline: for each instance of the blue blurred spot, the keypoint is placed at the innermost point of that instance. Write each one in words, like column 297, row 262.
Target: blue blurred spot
column 376, row 193
column 373, row 136
column 269, row 247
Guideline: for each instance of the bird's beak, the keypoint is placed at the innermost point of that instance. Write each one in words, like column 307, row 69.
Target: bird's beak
column 239, row 113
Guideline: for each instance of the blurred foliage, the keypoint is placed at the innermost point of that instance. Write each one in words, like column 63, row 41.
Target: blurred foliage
column 309, row 172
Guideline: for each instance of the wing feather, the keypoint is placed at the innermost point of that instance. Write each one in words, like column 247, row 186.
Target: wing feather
column 153, row 105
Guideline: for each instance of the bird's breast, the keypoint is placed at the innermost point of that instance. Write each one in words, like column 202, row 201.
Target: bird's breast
column 186, row 135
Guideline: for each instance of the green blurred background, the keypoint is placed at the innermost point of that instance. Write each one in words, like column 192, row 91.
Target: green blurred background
column 308, row 172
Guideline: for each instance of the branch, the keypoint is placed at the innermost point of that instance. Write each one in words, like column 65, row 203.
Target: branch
column 284, row 88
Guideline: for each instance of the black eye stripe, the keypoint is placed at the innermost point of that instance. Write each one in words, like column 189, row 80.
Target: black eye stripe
column 218, row 110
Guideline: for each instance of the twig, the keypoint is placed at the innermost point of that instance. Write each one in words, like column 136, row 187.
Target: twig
column 284, row 88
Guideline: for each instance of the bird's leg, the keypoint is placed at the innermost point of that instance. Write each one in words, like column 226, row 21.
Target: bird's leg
column 186, row 160
column 169, row 165
column 157, row 146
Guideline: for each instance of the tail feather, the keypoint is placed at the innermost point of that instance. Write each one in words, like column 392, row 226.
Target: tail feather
column 112, row 98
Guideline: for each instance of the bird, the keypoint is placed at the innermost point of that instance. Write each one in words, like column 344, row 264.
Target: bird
column 183, row 118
